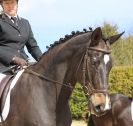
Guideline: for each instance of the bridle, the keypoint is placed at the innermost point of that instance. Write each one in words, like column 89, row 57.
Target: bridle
column 87, row 86
column 90, row 89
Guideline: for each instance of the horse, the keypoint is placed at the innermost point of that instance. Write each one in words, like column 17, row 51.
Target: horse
column 118, row 115
column 41, row 94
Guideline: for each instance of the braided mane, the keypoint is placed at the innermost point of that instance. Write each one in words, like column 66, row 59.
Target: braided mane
column 67, row 37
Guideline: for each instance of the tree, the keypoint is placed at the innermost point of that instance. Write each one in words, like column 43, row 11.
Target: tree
column 122, row 50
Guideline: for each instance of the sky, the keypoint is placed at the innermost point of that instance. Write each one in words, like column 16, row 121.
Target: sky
column 53, row 19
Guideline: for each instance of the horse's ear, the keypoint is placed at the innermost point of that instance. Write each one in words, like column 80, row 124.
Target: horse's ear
column 96, row 36
column 114, row 38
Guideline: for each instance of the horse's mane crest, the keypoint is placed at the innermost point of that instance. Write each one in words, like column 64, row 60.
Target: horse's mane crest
column 67, row 37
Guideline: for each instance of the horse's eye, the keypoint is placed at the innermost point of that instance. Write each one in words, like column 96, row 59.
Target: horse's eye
column 94, row 60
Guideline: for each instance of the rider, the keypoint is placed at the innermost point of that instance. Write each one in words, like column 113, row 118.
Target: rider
column 15, row 34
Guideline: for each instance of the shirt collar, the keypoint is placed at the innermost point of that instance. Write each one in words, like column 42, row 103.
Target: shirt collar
column 10, row 16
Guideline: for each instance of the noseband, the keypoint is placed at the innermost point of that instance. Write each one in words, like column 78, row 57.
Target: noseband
column 89, row 88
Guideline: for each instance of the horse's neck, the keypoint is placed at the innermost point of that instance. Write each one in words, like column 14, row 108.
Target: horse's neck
column 57, row 72
column 60, row 63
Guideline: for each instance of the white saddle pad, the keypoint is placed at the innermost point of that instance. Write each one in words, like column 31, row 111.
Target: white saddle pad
column 6, row 108
column 2, row 76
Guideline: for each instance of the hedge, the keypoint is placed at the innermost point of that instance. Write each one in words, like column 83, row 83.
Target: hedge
column 120, row 81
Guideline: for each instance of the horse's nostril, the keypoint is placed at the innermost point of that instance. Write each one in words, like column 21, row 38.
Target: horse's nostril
column 99, row 107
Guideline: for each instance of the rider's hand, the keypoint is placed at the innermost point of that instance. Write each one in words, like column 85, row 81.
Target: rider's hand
column 19, row 61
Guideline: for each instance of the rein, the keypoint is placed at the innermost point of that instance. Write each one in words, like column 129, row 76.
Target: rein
column 85, row 67
column 46, row 78
column 88, row 88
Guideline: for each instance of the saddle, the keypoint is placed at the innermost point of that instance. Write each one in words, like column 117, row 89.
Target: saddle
column 5, row 83
column 9, row 70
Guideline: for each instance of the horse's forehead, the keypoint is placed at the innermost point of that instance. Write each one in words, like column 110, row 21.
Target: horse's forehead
column 102, row 43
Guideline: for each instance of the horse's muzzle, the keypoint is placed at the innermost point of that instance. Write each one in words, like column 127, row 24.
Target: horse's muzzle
column 100, row 102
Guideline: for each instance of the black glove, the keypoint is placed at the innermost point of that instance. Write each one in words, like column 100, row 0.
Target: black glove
column 19, row 61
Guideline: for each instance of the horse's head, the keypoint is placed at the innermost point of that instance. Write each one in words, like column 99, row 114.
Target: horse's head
column 97, row 64
column 86, row 58
column 81, row 57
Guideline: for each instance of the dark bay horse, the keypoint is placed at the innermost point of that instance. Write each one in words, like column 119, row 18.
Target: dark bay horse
column 118, row 115
column 40, row 97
